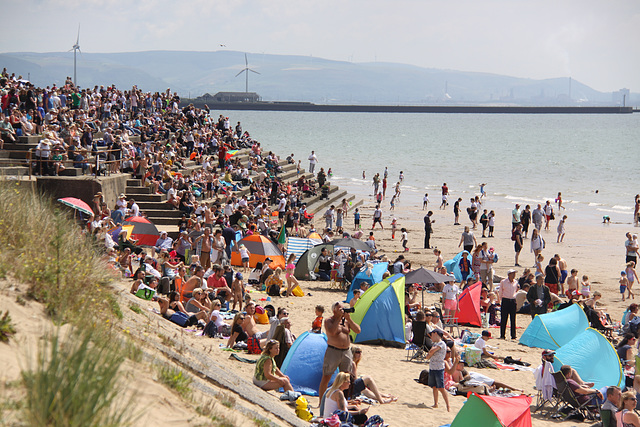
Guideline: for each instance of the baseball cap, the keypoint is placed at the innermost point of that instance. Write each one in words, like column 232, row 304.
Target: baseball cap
column 438, row 331
column 511, row 271
column 239, row 276
column 548, row 353
column 486, row 334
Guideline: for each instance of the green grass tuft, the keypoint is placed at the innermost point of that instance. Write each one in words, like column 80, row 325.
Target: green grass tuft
column 7, row 330
column 135, row 308
column 175, row 379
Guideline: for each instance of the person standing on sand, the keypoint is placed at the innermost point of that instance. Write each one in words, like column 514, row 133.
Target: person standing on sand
column 517, row 242
column 559, row 202
column 631, row 245
column 538, row 296
column 537, row 216
column 436, row 357
column 515, row 217
column 548, row 213
column 525, row 220
column 468, row 239
column 313, row 160
column 507, row 296
column 425, row 201
column 338, row 353
column 482, row 192
column 445, row 195
column 428, row 229
column 636, row 210
column 456, row 211
column 377, row 217
column 561, row 229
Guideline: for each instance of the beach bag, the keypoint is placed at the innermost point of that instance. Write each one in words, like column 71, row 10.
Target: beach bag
column 253, row 345
column 469, row 337
column 472, row 356
column 146, row 293
column 424, row 377
column 210, row 330
column 552, row 216
column 179, row 318
column 273, row 290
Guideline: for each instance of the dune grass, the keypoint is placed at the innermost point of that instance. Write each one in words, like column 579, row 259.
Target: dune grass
column 7, row 329
column 44, row 247
column 175, row 379
column 75, row 381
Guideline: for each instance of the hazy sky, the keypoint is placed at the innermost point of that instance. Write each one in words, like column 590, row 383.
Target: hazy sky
column 595, row 42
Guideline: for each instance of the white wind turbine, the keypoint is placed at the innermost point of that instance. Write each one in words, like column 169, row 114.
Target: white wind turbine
column 246, row 70
column 75, row 48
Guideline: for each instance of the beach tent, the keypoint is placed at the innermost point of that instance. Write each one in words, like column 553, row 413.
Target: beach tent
column 303, row 363
column 314, row 235
column 371, row 277
column 453, row 266
column 555, row 329
column 260, row 248
column 297, row 245
column 380, row 314
column 593, row 357
column 494, row 411
column 144, row 231
column 309, row 260
column 469, row 306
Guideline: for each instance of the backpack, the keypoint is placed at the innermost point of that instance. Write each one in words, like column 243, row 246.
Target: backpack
column 273, row 290
column 253, row 346
column 424, row 377
column 146, row 293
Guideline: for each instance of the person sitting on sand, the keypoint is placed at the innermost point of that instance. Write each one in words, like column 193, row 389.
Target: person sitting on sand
column 334, row 399
column 179, row 318
column 267, row 376
column 364, row 384
column 481, row 343
column 237, row 333
column 249, row 323
column 466, row 378
column 198, row 302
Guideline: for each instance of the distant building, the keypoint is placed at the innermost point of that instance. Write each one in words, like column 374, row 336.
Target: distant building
column 620, row 97
column 231, row 97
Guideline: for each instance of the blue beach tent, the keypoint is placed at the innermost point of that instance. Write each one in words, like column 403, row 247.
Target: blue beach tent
column 453, row 266
column 555, row 329
column 371, row 277
column 303, row 363
column 593, row 357
column 380, row 314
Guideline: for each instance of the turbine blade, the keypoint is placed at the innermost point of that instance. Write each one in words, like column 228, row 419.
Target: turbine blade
column 78, row 39
column 246, row 62
column 254, row 71
column 241, row 71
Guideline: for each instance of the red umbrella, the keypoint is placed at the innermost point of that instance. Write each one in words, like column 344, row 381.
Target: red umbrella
column 143, row 230
column 77, row 204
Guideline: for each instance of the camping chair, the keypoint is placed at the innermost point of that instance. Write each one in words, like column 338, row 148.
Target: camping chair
column 335, row 280
column 566, row 396
column 420, row 344
column 545, row 386
column 447, row 322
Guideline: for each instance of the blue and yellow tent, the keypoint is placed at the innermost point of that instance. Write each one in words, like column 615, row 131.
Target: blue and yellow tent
column 380, row 314
column 371, row 277
column 553, row 330
column 303, row 363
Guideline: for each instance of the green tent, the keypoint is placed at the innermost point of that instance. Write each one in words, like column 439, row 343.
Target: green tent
column 308, row 261
column 380, row 313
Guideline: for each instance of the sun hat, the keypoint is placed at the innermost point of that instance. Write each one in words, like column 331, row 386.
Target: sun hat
column 547, row 353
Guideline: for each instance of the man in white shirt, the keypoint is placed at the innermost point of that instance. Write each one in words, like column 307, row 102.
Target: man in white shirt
column 312, row 161
column 481, row 343
column 134, row 209
column 507, row 297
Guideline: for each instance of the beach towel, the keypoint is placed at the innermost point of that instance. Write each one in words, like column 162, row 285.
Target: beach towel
column 242, row 359
column 544, row 379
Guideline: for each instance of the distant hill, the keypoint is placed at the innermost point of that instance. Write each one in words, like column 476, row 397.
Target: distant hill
column 301, row 78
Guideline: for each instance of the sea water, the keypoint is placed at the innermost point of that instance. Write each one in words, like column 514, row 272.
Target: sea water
column 523, row 158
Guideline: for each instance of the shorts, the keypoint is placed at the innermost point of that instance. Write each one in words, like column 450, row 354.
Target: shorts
column 245, row 259
column 260, row 383
column 563, row 275
column 377, row 220
column 450, row 304
column 623, row 289
column 553, row 288
column 358, row 387
column 336, row 358
column 280, row 214
column 548, row 217
column 436, row 378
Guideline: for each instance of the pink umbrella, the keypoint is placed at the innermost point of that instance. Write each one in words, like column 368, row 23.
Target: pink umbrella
column 77, row 204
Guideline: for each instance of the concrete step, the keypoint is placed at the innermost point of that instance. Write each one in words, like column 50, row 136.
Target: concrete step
column 134, row 183
column 150, row 197
column 165, row 213
column 137, row 190
column 14, row 171
column 70, row 171
column 31, row 139
column 144, row 206
column 164, row 220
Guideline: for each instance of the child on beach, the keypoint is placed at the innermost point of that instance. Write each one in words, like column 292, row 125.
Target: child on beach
column 393, row 202
column 356, row 297
column 538, row 266
column 561, row 229
column 624, row 282
column 405, row 239
column 465, row 265
column 492, row 222
column 195, row 262
column 292, row 282
column 585, row 286
column 436, row 367
column 572, row 283
column 450, row 301
column 244, row 257
column 237, row 289
column 356, row 219
column 394, row 226
column 439, row 260
column 632, row 277
column 316, row 326
column 339, row 217
column 299, row 167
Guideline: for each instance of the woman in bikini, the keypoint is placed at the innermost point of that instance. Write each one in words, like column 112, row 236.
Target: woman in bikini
column 292, row 282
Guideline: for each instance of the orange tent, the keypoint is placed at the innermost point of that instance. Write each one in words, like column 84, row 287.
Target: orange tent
column 260, row 248
column 314, row 235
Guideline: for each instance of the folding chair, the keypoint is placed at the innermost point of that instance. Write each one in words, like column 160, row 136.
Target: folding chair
column 545, row 388
column 447, row 322
column 566, row 396
column 336, row 280
column 420, row 344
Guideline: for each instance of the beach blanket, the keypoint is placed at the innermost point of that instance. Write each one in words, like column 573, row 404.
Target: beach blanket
column 508, row 367
column 242, row 359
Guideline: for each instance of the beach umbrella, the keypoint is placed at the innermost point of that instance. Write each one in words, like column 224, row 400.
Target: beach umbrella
column 115, row 231
column 422, row 275
column 77, row 204
column 144, row 231
column 350, row 242
column 230, row 154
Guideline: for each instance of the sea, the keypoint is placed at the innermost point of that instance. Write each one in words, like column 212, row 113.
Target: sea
column 592, row 159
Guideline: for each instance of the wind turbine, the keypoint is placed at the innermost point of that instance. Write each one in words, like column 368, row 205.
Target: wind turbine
column 75, row 48
column 246, row 70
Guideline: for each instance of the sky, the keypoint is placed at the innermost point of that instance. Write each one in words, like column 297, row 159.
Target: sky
column 594, row 42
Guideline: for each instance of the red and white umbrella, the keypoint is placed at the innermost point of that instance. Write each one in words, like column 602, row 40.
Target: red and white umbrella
column 77, row 204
